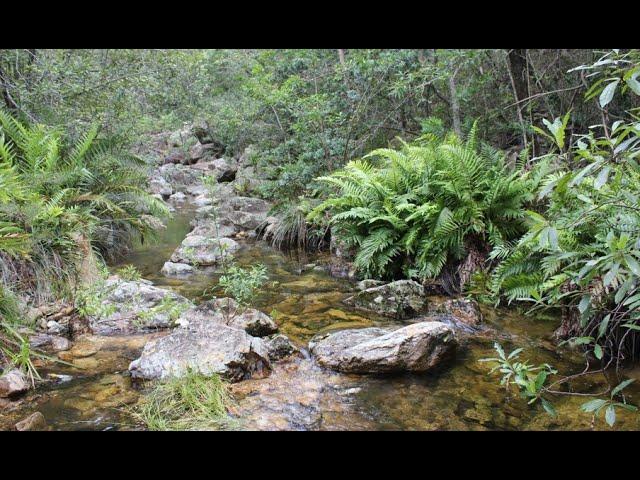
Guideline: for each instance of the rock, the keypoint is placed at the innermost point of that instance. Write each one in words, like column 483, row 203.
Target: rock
column 369, row 283
column 201, row 201
column 175, row 156
column 56, row 328
column 158, row 185
column 228, row 312
column 280, row 346
column 171, row 269
column 178, row 197
column 53, row 342
column 33, row 422
column 135, row 307
column 248, row 179
column 420, row 347
column 203, row 153
column 399, row 299
column 465, row 309
column 199, row 250
column 206, row 347
column 13, row 383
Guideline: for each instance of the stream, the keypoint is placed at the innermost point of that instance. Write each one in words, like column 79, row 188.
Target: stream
column 299, row 395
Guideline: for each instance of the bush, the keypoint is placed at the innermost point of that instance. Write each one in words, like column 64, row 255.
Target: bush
column 431, row 208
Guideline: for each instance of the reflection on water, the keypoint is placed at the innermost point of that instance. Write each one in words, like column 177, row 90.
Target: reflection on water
column 300, row 395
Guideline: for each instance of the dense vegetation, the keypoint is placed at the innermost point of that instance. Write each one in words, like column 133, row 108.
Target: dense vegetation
column 511, row 175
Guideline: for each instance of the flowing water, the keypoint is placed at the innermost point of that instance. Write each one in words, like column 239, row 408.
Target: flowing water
column 300, row 395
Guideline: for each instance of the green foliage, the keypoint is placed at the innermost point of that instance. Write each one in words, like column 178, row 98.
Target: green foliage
column 63, row 193
column 529, row 380
column 426, row 205
column 582, row 252
column 243, row 284
column 610, row 405
column 191, row 402
column 291, row 229
column 129, row 272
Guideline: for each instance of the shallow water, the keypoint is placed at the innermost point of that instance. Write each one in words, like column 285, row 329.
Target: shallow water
column 300, row 395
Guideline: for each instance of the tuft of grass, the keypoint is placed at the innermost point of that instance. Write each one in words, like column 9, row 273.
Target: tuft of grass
column 191, row 402
column 129, row 273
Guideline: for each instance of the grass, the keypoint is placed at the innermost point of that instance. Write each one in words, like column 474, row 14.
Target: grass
column 192, row 402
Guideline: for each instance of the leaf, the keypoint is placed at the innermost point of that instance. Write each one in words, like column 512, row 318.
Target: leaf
column 585, row 301
column 633, row 264
column 621, row 386
column 597, row 351
column 549, row 408
column 633, row 84
column 610, row 415
column 593, row 405
column 607, row 94
column 602, row 177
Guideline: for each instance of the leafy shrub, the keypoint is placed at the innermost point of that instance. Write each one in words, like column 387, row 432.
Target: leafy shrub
column 435, row 203
column 582, row 252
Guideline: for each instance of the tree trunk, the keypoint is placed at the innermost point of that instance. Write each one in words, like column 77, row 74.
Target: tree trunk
column 455, row 106
column 517, row 66
column 341, row 56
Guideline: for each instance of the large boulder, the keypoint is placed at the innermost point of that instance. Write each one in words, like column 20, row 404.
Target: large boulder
column 420, row 347
column 135, row 307
column 199, row 250
column 228, row 312
column 205, row 347
column 13, row 382
column 400, row 299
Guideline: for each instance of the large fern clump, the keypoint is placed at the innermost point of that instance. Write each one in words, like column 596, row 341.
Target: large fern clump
column 60, row 198
column 439, row 203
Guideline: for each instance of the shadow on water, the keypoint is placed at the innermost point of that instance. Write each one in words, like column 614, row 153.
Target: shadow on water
column 300, row 395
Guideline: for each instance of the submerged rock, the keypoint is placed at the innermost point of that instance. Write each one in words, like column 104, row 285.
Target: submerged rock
column 400, row 299
column 206, row 347
column 135, row 307
column 415, row 348
column 13, row 383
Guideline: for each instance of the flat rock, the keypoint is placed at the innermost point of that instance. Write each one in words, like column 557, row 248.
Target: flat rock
column 419, row 347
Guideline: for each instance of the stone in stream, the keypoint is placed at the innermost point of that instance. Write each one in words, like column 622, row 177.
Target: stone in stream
column 13, row 382
column 199, row 250
column 419, row 347
column 171, row 269
column 464, row 309
column 400, row 299
column 135, row 306
column 280, row 346
column 228, row 312
column 206, row 347
column 52, row 342
column 33, row 422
